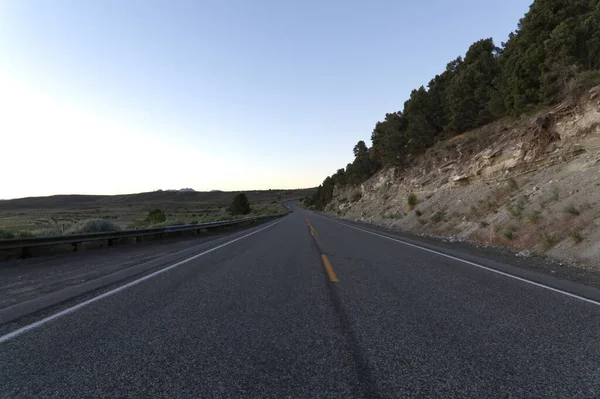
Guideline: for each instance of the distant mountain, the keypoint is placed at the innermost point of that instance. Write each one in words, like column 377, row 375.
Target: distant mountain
column 181, row 190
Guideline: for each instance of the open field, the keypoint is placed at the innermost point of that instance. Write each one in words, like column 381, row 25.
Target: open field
column 57, row 213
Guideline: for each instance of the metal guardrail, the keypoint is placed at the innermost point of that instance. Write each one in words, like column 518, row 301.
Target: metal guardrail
column 110, row 236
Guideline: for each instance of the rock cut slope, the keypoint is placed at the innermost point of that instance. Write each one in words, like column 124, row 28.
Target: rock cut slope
column 530, row 184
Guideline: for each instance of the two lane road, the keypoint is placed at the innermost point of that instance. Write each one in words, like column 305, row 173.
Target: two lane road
column 309, row 307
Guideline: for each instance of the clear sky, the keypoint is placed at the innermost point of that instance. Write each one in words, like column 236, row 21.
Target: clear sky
column 121, row 96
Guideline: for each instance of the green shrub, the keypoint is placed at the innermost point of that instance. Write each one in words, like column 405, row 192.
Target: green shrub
column 412, row 201
column 156, row 216
column 93, row 226
column 240, row 205
column 483, row 224
column 193, row 221
column 418, row 213
column 509, row 235
column 356, row 196
column 437, row 216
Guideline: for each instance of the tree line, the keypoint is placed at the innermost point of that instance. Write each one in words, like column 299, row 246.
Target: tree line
column 554, row 52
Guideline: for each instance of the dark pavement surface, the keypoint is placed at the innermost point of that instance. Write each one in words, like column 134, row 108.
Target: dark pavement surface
column 260, row 318
column 23, row 279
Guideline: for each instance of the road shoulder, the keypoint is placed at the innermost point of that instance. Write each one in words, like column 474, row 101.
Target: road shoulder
column 537, row 269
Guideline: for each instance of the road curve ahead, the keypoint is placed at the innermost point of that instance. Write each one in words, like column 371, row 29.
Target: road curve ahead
column 308, row 308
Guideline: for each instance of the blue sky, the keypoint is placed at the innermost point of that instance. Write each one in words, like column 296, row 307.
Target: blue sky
column 126, row 96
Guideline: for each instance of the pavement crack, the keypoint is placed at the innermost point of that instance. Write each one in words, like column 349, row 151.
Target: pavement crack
column 366, row 384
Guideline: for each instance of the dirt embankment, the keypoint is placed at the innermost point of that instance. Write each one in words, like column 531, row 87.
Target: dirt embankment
column 531, row 184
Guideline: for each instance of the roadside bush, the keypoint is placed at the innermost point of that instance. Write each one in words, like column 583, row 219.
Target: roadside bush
column 412, row 201
column 437, row 216
column 93, row 226
column 356, row 196
column 156, row 216
column 418, row 213
column 509, row 235
column 240, row 205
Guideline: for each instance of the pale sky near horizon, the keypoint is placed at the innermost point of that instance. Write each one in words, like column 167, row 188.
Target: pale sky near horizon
column 122, row 96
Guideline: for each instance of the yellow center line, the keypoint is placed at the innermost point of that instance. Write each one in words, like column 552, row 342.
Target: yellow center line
column 312, row 229
column 330, row 272
column 332, row 277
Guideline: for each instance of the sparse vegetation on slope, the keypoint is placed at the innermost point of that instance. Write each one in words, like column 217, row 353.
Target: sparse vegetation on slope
column 552, row 56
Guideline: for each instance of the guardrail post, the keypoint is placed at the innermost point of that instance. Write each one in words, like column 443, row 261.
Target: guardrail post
column 74, row 247
column 111, row 242
column 138, row 239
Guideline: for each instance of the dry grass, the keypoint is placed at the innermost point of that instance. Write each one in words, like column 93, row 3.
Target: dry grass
column 516, row 208
column 54, row 215
column 571, row 210
column 549, row 239
column 534, row 217
column 576, row 237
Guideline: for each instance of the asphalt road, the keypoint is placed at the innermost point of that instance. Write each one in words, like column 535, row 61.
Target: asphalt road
column 261, row 317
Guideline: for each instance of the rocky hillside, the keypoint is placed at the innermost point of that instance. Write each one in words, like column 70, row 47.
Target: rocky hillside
column 531, row 184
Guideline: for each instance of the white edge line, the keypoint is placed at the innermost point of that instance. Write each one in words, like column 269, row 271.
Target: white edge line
column 475, row 264
column 39, row 323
